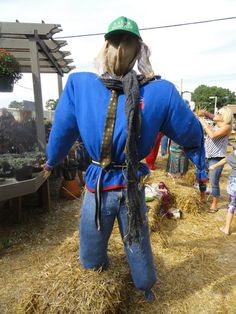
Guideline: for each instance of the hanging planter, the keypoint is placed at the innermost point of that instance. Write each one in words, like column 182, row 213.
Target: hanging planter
column 6, row 84
column 9, row 71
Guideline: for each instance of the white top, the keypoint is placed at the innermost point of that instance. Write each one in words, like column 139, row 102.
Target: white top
column 216, row 147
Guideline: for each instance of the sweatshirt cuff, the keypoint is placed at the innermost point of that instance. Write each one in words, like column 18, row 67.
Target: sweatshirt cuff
column 47, row 167
column 202, row 176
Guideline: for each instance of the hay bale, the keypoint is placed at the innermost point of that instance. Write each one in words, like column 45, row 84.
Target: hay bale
column 187, row 199
column 190, row 176
column 184, row 195
column 153, row 214
column 65, row 287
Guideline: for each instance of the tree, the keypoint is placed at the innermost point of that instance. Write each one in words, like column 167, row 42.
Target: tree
column 202, row 93
column 16, row 104
column 51, row 104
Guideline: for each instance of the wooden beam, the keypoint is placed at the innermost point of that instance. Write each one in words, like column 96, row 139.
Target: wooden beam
column 59, row 81
column 25, row 54
column 66, row 69
column 44, row 30
column 23, row 43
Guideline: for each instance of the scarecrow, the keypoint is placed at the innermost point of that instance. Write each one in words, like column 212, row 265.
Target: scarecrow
column 118, row 115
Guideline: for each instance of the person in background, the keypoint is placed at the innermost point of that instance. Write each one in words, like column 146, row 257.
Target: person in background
column 202, row 113
column 216, row 143
column 164, row 145
column 177, row 164
column 125, row 112
column 152, row 156
column 231, row 189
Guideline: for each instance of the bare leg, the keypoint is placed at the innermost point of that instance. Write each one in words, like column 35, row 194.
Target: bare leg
column 214, row 203
column 228, row 222
column 229, row 219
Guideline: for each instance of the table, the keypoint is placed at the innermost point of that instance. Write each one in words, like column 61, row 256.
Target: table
column 13, row 191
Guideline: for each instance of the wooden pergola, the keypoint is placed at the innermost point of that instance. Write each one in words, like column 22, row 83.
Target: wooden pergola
column 37, row 52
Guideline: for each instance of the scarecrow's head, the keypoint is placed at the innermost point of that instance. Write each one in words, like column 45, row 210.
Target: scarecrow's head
column 123, row 47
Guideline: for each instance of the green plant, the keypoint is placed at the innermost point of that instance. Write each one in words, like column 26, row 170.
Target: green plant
column 9, row 66
column 18, row 163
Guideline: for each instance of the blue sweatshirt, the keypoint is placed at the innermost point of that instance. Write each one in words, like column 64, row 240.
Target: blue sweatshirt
column 82, row 111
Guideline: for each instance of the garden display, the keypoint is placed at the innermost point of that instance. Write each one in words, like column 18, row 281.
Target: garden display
column 19, row 153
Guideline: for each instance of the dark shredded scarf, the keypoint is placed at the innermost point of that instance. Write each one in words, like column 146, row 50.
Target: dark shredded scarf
column 129, row 84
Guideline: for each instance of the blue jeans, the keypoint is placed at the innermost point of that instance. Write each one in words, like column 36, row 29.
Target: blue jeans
column 215, row 176
column 93, row 243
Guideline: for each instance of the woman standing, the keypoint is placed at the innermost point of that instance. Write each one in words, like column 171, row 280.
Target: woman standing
column 177, row 164
column 216, row 145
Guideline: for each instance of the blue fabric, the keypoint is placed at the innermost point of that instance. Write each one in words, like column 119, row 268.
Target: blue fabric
column 215, row 177
column 93, row 243
column 82, row 109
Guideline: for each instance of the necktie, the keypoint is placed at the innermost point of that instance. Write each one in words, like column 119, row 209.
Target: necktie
column 105, row 155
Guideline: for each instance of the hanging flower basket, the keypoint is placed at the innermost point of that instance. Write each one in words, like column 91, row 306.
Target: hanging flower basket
column 9, row 71
column 6, row 84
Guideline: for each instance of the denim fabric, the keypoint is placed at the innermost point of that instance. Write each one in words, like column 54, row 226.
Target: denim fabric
column 93, row 243
column 215, row 176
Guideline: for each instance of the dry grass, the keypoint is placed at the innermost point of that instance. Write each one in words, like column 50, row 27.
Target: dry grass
column 65, row 287
column 194, row 261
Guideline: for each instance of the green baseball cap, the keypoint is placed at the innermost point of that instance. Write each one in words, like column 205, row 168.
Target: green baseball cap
column 123, row 24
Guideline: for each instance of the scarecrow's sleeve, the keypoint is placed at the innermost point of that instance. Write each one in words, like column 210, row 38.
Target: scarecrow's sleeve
column 64, row 129
column 182, row 126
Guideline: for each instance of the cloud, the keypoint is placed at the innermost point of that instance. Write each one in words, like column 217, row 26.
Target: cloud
column 196, row 54
column 228, row 47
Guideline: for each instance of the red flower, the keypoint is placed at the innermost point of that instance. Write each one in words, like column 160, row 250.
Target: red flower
column 9, row 66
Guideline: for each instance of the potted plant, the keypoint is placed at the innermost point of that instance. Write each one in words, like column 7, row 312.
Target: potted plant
column 9, row 71
column 70, row 188
column 23, row 168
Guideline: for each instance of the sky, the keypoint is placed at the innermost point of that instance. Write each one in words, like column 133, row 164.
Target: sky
column 188, row 56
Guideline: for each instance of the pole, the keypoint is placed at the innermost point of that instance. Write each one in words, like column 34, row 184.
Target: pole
column 215, row 109
column 215, row 105
column 38, row 99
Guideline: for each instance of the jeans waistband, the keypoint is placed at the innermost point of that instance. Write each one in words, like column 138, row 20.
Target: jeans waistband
column 112, row 165
column 98, row 188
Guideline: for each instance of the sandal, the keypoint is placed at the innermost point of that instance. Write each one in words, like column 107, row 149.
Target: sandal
column 212, row 210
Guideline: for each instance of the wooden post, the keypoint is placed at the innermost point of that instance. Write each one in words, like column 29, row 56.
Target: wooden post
column 37, row 93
